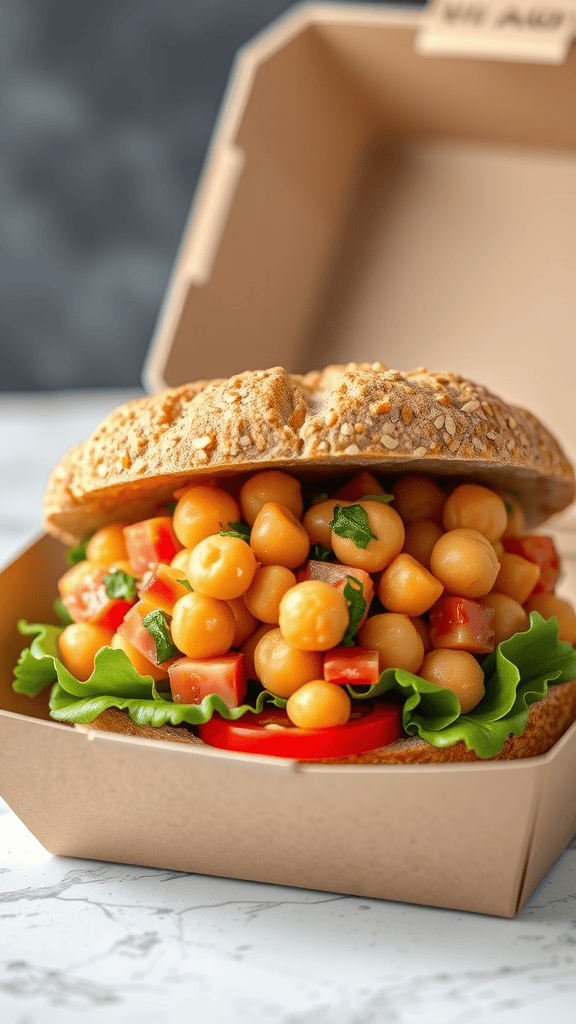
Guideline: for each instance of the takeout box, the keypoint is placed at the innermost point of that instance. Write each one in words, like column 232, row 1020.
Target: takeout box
column 360, row 201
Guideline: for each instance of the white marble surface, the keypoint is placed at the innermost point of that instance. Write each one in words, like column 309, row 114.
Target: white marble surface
column 83, row 940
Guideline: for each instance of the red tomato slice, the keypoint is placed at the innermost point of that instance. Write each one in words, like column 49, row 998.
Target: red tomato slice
column 271, row 732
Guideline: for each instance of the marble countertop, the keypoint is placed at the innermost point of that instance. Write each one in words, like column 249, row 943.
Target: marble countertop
column 132, row 945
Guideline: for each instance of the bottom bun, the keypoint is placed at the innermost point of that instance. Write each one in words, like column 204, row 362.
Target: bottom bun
column 548, row 720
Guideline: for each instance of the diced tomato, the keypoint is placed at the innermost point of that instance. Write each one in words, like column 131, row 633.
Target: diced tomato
column 354, row 666
column 359, row 486
column 150, row 542
column 87, row 600
column 164, row 588
column 113, row 613
column 271, row 732
column 335, row 574
column 461, row 624
column 136, row 633
column 192, row 679
column 542, row 552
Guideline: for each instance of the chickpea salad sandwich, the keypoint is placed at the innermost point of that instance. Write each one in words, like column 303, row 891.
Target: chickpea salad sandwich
column 337, row 567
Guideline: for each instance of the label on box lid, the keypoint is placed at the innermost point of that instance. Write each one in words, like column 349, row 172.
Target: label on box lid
column 522, row 30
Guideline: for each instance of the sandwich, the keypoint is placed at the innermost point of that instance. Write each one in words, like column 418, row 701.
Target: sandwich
column 336, row 567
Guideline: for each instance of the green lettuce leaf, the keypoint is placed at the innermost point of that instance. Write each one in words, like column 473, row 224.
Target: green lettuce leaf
column 517, row 674
column 114, row 683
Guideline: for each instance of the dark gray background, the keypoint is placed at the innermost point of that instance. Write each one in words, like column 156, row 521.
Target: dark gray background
column 106, row 110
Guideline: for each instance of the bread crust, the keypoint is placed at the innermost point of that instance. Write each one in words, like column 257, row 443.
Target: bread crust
column 344, row 417
column 548, row 720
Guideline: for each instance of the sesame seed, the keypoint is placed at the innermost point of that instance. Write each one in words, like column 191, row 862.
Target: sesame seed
column 201, row 442
column 419, row 453
column 330, row 418
column 322, row 446
column 454, row 446
column 406, row 414
column 511, row 422
column 381, row 407
column 352, row 449
column 388, row 428
column 450, row 425
column 491, row 435
column 201, row 455
column 439, row 422
column 389, row 442
column 470, row 406
column 245, row 441
column 347, row 429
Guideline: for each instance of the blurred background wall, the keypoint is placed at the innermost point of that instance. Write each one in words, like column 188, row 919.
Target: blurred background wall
column 106, row 111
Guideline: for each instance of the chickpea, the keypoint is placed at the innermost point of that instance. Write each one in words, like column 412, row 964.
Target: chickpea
column 79, row 644
column 422, row 630
column 388, row 529
column 509, row 617
column 417, row 497
column 107, row 545
column 420, row 539
column 271, row 485
column 465, row 563
column 249, row 646
column 319, row 705
column 314, row 616
column 202, row 627
column 202, row 511
column 396, row 639
column 221, row 567
column 549, row 605
column 516, row 525
column 278, row 538
column 282, row 668
column 180, row 560
column 267, row 589
column 406, row 586
column 317, row 521
column 457, row 671
column 138, row 661
column 476, row 508
column 517, row 577
column 244, row 623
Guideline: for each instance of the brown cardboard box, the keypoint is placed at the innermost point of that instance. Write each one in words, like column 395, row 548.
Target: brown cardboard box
column 360, row 201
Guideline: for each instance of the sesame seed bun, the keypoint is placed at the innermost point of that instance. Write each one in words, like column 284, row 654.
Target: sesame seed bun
column 342, row 418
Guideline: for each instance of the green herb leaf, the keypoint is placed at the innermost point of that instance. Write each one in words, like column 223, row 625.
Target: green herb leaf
column 509, row 509
column 120, row 584
column 157, row 625
column 62, row 612
column 78, row 552
column 352, row 521
column 354, row 594
column 385, row 499
column 318, row 497
column 170, row 508
column 241, row 530
column 186, row 583
column 320, row 554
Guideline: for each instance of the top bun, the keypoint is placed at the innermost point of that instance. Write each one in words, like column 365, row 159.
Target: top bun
column 341, row 418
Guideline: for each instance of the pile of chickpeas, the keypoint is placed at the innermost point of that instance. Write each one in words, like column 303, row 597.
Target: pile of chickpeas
column 249, row 595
